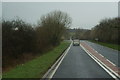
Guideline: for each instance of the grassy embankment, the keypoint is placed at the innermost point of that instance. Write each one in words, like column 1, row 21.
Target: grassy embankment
column 37, row 67
column 113, row 46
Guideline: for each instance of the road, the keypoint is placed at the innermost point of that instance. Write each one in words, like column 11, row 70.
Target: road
column 109, row 53
column 77, row 64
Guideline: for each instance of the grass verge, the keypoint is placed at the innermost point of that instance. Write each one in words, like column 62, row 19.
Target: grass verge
column 37, row 67
column 113, row 46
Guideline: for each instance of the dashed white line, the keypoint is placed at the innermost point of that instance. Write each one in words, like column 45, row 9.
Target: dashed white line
column 96, row 51
column 111, row 62
column 101, row 55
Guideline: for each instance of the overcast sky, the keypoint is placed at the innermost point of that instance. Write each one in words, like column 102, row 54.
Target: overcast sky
column 84, row 14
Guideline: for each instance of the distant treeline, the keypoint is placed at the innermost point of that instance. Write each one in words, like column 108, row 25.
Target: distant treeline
column 20, row 38
column 106, row 31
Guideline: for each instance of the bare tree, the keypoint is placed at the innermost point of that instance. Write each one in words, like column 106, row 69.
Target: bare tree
column 54, row 24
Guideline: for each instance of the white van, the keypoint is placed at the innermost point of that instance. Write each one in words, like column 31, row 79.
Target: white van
column 76, row 42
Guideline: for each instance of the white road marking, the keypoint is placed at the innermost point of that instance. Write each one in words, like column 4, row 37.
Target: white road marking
column 49, row 74
column 111, row 62
column 60, row 62
column 96, row 51
column 101, row 55
column 103, row 46
column 96, row 60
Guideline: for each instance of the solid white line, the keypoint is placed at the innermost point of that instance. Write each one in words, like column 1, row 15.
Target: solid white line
column 99, row 63
column 60, row 62
column 46, row 75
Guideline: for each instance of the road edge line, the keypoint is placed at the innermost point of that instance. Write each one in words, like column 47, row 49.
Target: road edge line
column 95, row 59
column 55, row 66
column 60, row 61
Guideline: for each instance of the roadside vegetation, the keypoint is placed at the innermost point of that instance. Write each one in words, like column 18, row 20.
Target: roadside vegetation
column 21, row 42
column 107, row 31
column 37, row 67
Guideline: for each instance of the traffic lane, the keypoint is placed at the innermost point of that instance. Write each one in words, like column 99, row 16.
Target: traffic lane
column 77, row 64
column 110, row 54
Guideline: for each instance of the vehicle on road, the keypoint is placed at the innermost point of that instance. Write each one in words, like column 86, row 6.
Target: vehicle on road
column 76, row 42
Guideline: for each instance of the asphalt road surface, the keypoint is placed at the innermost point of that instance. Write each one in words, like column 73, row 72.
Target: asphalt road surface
column 77, row 64
column 109, row 53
